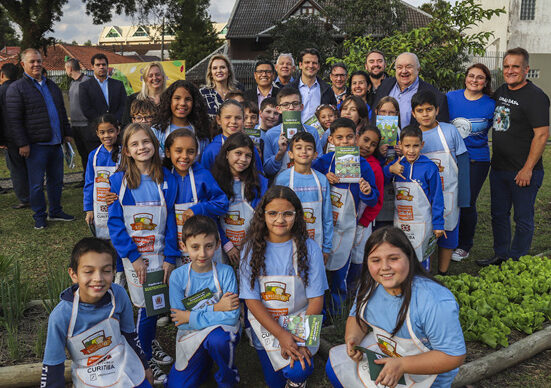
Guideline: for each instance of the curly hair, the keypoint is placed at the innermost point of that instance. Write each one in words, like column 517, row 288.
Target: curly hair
column 221, row 170
column 255, row 242
column 198, row 116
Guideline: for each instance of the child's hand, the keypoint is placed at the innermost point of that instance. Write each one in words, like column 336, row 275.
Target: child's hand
column 354, row 354
column 282, row 144
column 332, row 178
column 187, row 214
column 288, row 345
column 228, row 302
column 397, row 168
column 149, row 376
column 168, row 268
column 305, row 355
column 398, row 149
column 110, row 198
column 89, row 217
column 325, row 258
column 179, row 316
column 234, row 255
column 141, row 269
column 365, row 187
column 440, row 233
column 392, row 371
column 383, row 148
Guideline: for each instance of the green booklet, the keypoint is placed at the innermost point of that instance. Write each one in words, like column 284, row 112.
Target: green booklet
column 313, row 122
column 291, row 123
column 347, row 164
column 307, row 327
column 198, row 300
column 254, row 134
column 375, row 369
column 156, row 294
column 388, row 125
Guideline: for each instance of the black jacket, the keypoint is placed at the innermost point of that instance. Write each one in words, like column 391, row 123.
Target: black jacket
column 3, row 112
column 387, row 85
column 251, row 94
column 28, row 120
column 327, row 95
column 92, row 101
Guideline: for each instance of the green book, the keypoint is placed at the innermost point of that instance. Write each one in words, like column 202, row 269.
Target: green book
column 198, row 300
column 313, row 122
column 375, row 369
column 307, row 327
column 156, row 294
column 347, row 164
column 291, row 123
column 254, row 134
column 388, row 125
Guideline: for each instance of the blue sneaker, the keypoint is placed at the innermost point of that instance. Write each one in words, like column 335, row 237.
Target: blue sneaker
column 61, row 217
column 40, row 223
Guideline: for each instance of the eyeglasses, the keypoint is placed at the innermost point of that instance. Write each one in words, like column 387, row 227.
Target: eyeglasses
column 339, row 75
column 287, row 214
column 142, row 118
column 286, row 105
column 267, row 72
column 407, row 67
column 476, row 77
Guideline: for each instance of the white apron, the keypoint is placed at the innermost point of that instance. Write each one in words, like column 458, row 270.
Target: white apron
column 188, row 341
column 179, row 209
column 352, row 374
column 344, row 226
column 101, row 189
column 313, row 211
column 449, row 177
column 413, row 215
column 236, row 221
column 281, row 295
column 146, row 225
column 101, row 355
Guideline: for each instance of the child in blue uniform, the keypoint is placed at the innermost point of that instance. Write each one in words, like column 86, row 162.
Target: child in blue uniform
column 312, row 188
column 236, row 172
column 198, row 192
column 94, row 321
column 208, row 328
column 414, row 320
column 445, row 147
column 281, row 273
column 418, row 199
column 348, row 202
column 142, row 224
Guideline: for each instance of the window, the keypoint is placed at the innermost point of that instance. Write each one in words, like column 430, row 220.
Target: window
column 527, row 9
column 113, row 33
column 533, row 73
column 140, row 32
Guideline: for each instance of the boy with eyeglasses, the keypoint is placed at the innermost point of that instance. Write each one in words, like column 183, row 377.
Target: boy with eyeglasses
column 142, row 111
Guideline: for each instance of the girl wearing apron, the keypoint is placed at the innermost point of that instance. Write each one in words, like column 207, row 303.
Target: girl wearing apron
column 142, row 224
column 346, row 199
column 425, row 341
column 208, row 330
column 198, row 192
column 236, row 172
column 282, row 273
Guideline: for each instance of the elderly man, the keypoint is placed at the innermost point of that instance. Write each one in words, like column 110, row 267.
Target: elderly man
column 285, row 67
column 375, row 65
column 38, row 125
column 339, row 76
column 264, row 71
column 405, row 85
column 519, row 133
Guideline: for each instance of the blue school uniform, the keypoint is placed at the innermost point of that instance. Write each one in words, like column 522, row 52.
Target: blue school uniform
column 161, row 135
column 213, row 149
column 88, row 316
column 271, row 147
column 214, row 334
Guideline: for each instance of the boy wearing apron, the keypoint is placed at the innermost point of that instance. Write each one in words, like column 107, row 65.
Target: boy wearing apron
column 205, row 308
column 95, row 322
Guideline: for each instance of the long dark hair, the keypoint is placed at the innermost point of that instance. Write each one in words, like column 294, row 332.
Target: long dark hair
column 488, row 87
column 221, row 170
column 180, row 132
column 255, row 242
column 198, row 116
column 367, row 285
column 373, row 128
column 361, row 107
column 108, row 118
column 367, row 81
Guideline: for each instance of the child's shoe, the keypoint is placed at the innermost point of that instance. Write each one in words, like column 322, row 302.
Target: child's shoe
column 159, row 355
column 290, row 384
column 159, row 376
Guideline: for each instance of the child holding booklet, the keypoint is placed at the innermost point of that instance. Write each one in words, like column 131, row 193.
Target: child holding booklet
column 312, row 188
column 348, row 201
column 205, row 308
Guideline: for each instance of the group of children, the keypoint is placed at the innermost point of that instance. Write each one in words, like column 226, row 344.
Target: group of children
column 170, row 199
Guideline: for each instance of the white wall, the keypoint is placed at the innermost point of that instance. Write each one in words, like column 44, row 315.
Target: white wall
column 533, row 35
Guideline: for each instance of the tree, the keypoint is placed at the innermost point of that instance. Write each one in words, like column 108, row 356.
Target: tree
column 195, row 34
column 434, row 7
column 8, row 36
column 87, row 43
column 443, row 47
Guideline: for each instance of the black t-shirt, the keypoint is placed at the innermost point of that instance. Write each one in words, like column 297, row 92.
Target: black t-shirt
column 516, row 115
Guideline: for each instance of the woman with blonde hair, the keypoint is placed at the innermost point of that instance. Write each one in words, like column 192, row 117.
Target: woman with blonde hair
column 219, row 81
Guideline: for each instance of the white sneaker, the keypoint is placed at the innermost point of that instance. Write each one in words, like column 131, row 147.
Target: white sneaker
column 159, row 377
column 290, row 384
column 459, row 254
column 163, row 321
column 159, row 355
column 120, row 279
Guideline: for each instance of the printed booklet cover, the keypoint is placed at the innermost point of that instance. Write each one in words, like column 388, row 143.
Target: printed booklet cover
column 313, row 122
column 388, row 125
column 198, row 300
column 156, row 294
column 375, row 369
column 254, row 134
column 347, row 164
column 307, row 327
column 291, row 123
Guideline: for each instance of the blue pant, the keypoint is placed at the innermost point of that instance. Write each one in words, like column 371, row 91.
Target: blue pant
column 278, row 379
column 352, row 278
column 337, row 289
column 45, row 160
column 469, row 217
column 331, row 376
column 18, row 174
column 147, row 329
column 506, row 193
column 219, row 346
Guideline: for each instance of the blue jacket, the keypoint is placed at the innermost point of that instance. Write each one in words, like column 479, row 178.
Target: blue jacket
column 122, row 242
column 103, row 159
column 326, row 164
column 212, row 150
column 425, row 172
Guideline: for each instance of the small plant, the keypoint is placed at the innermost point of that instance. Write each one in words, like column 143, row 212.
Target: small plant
column 58, row 280
column 40, row 340
column 12, row 343
column 14, row 295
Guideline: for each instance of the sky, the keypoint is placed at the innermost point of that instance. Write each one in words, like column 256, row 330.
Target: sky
column 76, row 25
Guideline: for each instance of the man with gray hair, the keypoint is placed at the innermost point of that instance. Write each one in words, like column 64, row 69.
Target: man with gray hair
column 285, row 67
column 405, row 85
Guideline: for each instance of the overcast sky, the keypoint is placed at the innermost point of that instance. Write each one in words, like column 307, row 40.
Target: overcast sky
column 76, row 25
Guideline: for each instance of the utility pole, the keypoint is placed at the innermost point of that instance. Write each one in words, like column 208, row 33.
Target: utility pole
column 163, row 39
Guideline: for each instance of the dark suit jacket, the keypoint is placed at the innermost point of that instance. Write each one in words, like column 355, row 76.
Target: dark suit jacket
column 387, row 85
column 3, row 112
column 327, row 95
column 92, row 101
column 251, row 95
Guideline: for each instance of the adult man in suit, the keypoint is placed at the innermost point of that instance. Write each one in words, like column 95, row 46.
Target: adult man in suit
column 405, row 85
column 264, row 72
column 101, row 94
